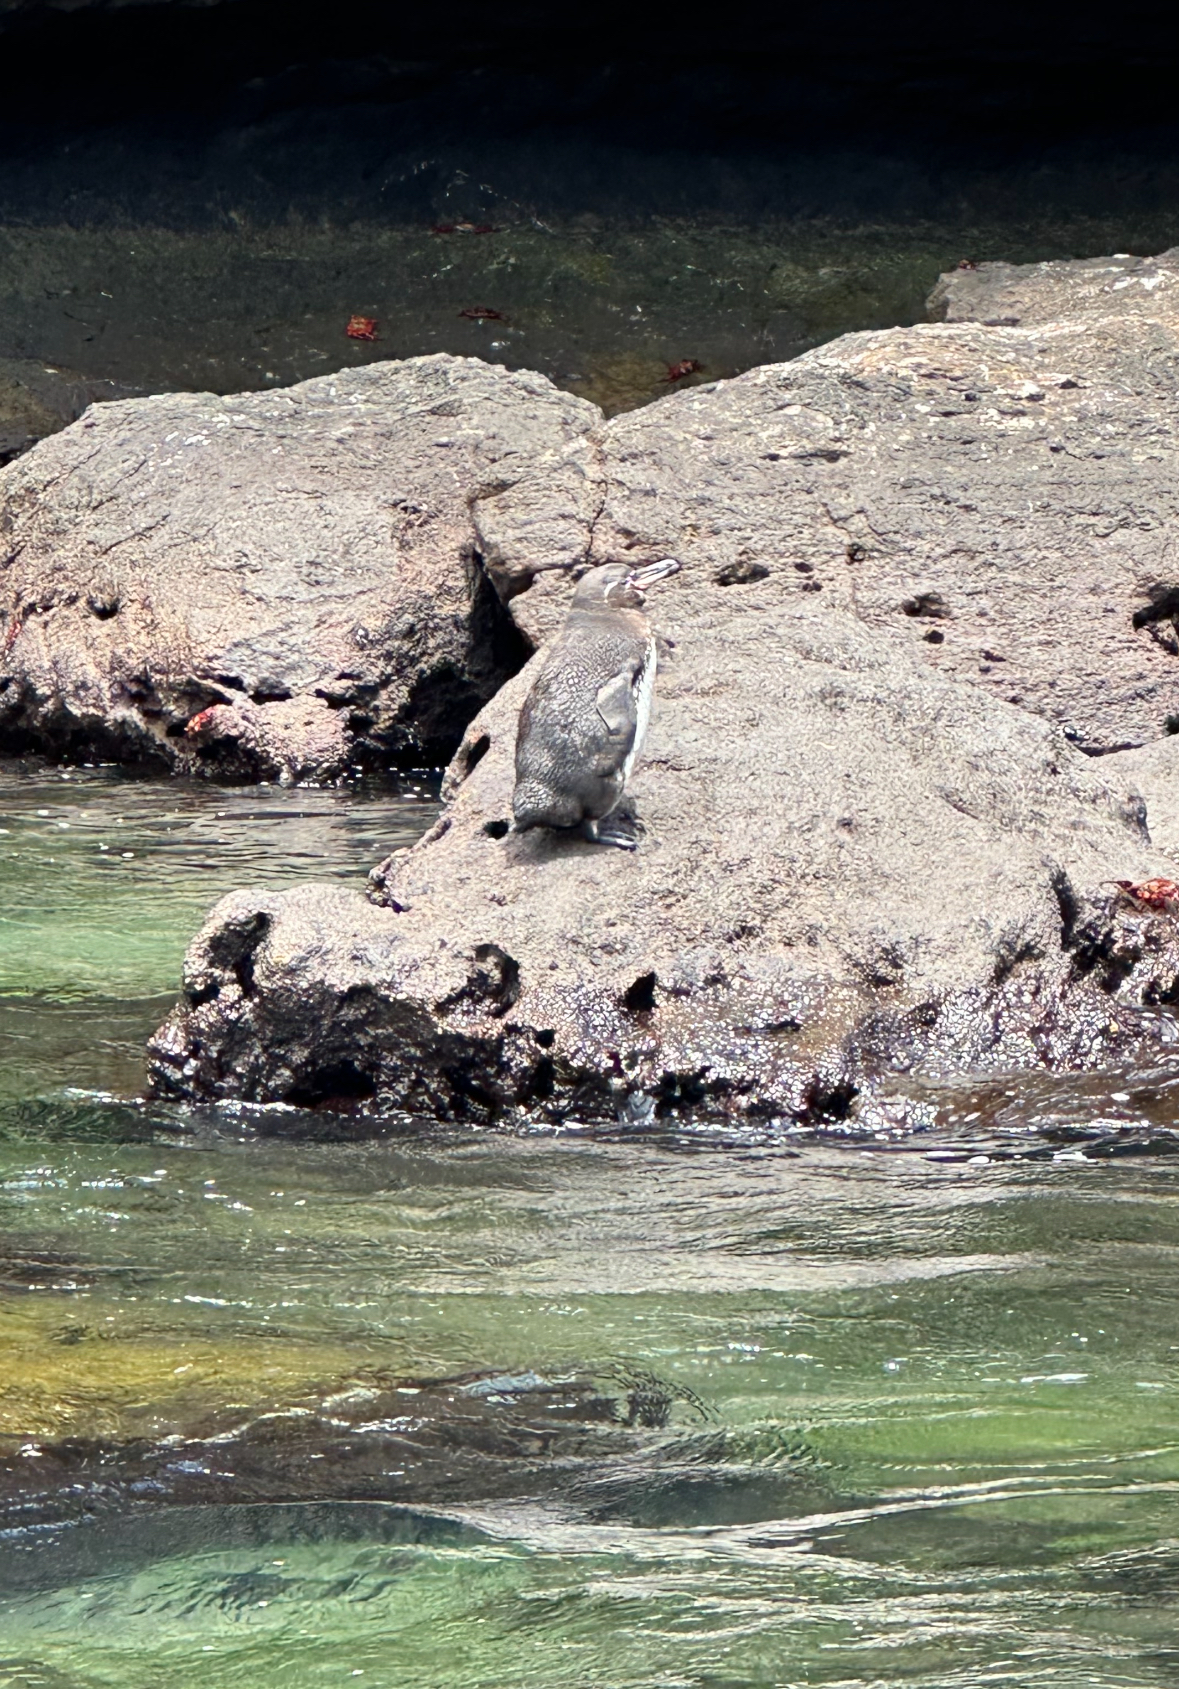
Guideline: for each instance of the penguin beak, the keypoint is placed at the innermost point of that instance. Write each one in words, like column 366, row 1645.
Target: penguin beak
column 649, row 573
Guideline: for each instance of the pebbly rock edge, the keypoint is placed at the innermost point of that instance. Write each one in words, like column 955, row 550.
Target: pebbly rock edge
column 924, row 596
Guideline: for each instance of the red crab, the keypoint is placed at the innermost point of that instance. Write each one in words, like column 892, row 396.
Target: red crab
column 966, row 264
column 464, row 229
column 686, row 366
column 483, row 314
column 1149, row 894
column 196, row 724
column 361, row 328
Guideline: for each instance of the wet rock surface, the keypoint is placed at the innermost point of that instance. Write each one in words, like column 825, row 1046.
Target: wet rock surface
column 274, row 585
column 921, row 568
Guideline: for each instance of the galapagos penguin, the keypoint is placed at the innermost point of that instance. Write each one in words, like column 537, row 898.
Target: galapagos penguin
column 583, row 722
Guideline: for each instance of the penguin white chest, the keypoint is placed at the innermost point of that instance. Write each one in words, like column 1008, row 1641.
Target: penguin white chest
column 644, row 690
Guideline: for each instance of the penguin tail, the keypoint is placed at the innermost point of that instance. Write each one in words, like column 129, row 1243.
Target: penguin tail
column 534, row 805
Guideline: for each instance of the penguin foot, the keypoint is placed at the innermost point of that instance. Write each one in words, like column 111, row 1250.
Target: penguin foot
column 620, row 830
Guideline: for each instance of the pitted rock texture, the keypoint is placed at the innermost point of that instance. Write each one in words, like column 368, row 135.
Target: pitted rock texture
column 1028, row 295
column 923, row 571
column 1153, row 772
column 853, row 869
column 1005, row 498
column 270, row 584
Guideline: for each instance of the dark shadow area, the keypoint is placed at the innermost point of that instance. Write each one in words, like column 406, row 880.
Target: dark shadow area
column 202, row 196
column 337, row 1087
column 756, row 84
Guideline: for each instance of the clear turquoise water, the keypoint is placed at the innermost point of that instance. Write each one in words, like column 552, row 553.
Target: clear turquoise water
column 919, row 1419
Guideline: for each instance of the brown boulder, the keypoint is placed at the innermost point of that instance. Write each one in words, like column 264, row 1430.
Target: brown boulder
column 854, row 869
column 911, row 559
column 270, row 584
column 1003, row 498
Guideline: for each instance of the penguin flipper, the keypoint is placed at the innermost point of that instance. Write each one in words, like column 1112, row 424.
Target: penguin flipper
column 616, row 708
column 617, row 705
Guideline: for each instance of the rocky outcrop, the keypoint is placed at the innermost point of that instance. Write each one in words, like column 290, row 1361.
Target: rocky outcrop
column 853, row 869
column 272, row 584
column 1002, row 497
column 1000, row 488
column 1031, row 295
column 923, row 571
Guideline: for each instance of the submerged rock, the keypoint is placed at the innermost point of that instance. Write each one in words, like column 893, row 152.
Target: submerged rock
column 270, row 584
column 415, row 1440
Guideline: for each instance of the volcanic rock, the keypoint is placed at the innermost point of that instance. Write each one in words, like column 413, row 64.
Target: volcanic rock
column 270, row 584
column 853, row 868
column 923, row 571
column 1004, row 498
column 1028, row 295
column 1152, row 771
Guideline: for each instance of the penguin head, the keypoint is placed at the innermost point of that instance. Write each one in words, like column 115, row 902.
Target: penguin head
column 619, row 586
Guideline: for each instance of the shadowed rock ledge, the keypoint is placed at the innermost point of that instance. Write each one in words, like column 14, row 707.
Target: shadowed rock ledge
column 866, row 856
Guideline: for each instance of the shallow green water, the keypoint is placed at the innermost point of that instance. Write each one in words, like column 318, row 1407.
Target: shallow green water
column 884, row 1415
column 601, row 307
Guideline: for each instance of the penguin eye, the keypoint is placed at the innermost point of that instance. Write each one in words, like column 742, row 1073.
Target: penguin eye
column 624, row 593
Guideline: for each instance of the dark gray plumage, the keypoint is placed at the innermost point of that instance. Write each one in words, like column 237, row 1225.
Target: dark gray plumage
column 583, row 722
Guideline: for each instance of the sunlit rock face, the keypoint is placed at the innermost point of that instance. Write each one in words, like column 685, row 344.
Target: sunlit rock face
column 272, row 584
column 853, row 869
column 999, row 493
column 866, row 857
